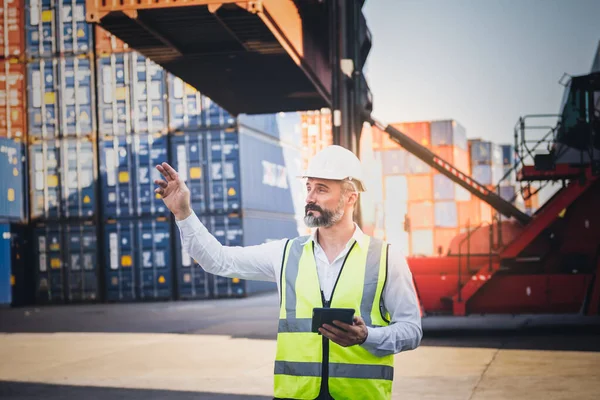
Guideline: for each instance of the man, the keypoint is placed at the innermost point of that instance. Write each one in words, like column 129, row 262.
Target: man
column 337, row 266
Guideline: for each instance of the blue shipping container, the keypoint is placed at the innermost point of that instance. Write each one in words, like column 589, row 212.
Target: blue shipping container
column 446, row 215
column 116, row 176
column 264, row 183
column 132, row 95
column 81, row 262
column 120, row 255
column 12, row 201
column 485, row 153
column 66, row 262
column 49, row 266
column 443, row 188
column 285, row 127
column 417, row 167
column 508, row 154
column 62, row 179
column 509, row 175
column 448, row 133
column 5, row 265
column 127, row 173
column 138, row 259
column 189, row 159
column 60, row 97
column 215, row 116
column 483, row 174
column 56, row 27
column 185, row 105
column 508, row 193
column 148, row 151
column 42, row 98
column 76, row 96
column 394, row 162
column 154, row 259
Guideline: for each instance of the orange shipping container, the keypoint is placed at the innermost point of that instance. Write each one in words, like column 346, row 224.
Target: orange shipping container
column 442, row 237
column 12, row 26
column 420, row 187
column 420, row 132
column 108, row 44
column 12, row 100
column 421, row 215
column 464, row 213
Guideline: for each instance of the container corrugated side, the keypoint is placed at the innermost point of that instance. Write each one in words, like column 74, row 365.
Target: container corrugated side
column 12, row 190
column 127, row 174
column 138, row 259
column 417, row 167
column 485, row 153
column 12, row 24
column 153, row 244
column 508, row 154
column 22, row 277
column 420, row 132
column 60, row 97
column 81, row 262
column 448, row 133
column 185, row 105
column 395, row 162
column 227, row 229
column 420, row 187
column 62, row 178
column 215, row 116
column 13, row 106
column 116, row 177
column 446, row 215
column 285, row 127
column 251, row 171
column 56, row 27
column 131, row 95
column 443, row 188
column 149, row 150
column 188, row 157
column 120, row 254
column 269, row 175
column 421, row 215
column 49, row 264
column 5, row 265
column 42, row 98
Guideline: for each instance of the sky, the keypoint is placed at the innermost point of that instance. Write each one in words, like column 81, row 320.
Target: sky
column 483, row 63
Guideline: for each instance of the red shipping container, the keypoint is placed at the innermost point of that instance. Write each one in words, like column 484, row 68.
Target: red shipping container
column 446, row 153
column 442, row 237
column 420, row 187
column 12, row 26
column 108, row 44
column 12, row 100
column 461, row 160
column 421, row 215
column 420, row 132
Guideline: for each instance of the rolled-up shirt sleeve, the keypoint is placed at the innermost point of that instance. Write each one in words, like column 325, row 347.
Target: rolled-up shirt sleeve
column 261, row 262
column 400, row 300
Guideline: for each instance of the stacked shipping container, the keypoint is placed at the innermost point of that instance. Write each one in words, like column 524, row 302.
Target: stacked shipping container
column 12, row 147
column 61, row 133
column 421, row 205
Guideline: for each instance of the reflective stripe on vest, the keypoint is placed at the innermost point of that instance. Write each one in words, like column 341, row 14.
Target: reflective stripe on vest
column 298, row 365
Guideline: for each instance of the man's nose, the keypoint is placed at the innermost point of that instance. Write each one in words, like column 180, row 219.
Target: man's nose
column 310, row 197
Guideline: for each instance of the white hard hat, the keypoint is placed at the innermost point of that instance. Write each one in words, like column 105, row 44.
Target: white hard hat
column 336, row 163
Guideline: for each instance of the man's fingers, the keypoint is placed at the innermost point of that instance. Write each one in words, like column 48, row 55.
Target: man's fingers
column 334, row 338
column 160, row 191
column 161, row 183
column 335, row 330
column 170, row 170
column 164, row 173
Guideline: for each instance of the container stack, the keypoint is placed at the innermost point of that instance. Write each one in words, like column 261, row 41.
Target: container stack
column 132, row 121
column 421, row 205
column 242, row 176
column 13, row 197
column 61, row 149
column 316, row 133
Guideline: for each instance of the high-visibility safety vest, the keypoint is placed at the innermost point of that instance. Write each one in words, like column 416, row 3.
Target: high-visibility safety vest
column 304, row 358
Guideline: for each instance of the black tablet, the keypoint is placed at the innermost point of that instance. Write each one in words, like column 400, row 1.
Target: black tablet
column 328, row 315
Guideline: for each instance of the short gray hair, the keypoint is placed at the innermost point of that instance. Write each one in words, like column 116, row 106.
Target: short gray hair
column 348, row 187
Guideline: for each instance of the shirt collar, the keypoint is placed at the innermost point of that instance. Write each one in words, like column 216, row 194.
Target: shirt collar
column 358, row 237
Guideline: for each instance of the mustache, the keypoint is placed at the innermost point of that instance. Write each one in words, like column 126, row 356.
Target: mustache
column 313, row 207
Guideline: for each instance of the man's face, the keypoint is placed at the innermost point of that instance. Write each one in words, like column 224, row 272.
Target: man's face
column 325, row 203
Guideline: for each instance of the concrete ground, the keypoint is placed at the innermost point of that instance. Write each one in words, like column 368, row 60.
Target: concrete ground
column 224, row 349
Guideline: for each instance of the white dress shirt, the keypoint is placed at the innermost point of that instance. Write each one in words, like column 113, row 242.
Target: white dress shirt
column 263, row 263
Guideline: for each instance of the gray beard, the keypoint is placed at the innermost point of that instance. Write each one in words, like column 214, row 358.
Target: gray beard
column 327, row 218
